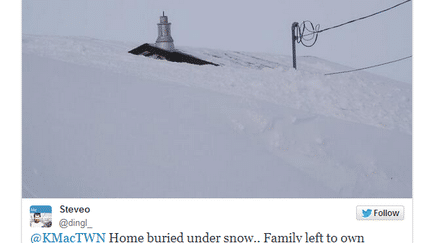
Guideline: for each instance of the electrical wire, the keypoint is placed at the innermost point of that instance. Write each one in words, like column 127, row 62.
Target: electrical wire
column 313, row 31
column 354, row 20
column 377, row 65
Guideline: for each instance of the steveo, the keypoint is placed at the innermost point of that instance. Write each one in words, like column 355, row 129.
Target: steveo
column 66, row 209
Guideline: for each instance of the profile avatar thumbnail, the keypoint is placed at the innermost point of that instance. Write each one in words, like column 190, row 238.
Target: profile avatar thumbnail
column 40, row 216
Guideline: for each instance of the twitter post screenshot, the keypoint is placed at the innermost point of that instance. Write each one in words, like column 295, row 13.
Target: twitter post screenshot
column 217, row 121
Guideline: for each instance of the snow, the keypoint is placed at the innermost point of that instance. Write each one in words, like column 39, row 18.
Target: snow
column 100, row 122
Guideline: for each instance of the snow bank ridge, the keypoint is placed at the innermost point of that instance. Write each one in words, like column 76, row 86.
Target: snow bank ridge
column 357, row 97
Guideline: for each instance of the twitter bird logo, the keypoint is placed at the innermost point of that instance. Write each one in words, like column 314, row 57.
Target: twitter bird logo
column 367, row 213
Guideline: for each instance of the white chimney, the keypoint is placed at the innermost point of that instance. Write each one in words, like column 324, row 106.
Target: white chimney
column 164, row 40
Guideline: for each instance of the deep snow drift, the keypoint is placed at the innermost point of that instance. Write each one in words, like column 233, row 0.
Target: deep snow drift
column 99, row 122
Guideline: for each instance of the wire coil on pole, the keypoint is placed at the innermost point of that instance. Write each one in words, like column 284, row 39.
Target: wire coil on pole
column 311, row 33
column 298, row 35
column 307, row 34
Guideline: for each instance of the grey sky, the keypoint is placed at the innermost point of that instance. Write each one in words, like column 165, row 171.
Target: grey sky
column 256, row 26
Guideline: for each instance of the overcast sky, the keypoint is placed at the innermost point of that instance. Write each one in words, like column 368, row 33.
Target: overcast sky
column 242, row 25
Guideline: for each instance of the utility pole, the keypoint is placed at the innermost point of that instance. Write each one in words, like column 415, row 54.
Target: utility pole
column 294, row 39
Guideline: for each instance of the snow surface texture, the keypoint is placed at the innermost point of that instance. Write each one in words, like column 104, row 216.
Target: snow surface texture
column 100, row 122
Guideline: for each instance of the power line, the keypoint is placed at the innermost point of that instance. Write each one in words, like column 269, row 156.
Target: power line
column 297, row 32
column 377, row 65
column 354, row 20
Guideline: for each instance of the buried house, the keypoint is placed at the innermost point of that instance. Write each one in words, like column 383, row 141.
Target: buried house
column 164, row 47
